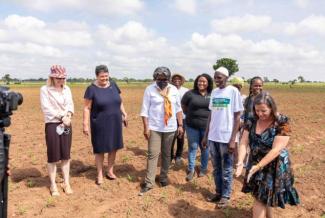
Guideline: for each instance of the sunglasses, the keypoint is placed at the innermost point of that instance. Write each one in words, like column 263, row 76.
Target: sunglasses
column 60, row 78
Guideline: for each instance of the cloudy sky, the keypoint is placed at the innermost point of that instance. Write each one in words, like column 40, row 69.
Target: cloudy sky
column 278, row 39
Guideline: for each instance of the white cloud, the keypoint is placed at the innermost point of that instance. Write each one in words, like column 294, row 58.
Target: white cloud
column 31, row 29
column 265, row 57
column 310, row 25
column 192, row 7
column 47, row 5
column 133, row 45
column 30, row 49
column 134, row 50
column 215, row 2
column 130, row 39
column 3, row 35
column 186, row 6
column 19, row 22
column 241, row 24
column 237, row 46
column 104, row 7
column 302, row 3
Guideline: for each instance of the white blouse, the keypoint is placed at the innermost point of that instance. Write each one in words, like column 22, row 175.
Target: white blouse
column 153, row 108
column 55, row 103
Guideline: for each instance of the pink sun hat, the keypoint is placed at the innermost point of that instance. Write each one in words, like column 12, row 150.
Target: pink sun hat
column 57, row 71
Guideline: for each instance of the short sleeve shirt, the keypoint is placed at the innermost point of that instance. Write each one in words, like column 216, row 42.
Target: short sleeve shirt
column 197, row 109
column 223, row 104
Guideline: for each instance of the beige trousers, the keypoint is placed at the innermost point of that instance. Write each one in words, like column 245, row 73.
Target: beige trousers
column 158, row 142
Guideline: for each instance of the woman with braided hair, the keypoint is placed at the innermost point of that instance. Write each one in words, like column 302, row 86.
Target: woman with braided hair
column 255, row 87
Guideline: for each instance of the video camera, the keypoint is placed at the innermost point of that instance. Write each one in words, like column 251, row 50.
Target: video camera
column 9, row 102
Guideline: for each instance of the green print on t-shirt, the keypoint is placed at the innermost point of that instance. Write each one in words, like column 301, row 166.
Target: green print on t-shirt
column 220, row 103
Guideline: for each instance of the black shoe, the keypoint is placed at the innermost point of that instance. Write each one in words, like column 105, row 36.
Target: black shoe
column 215, row 198
column 202, row 173
column 163, row 184
column 189, row 176
column 179, row 162
column 223, row 203
column 143, row 190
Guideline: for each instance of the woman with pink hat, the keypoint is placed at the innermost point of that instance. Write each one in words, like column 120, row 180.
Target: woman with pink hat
column 58, row 108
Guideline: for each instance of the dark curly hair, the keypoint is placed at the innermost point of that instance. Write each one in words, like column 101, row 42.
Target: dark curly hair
column 161, row 70
column 208, row 78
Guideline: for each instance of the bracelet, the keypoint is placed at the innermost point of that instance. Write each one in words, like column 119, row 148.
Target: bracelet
column 180, row 125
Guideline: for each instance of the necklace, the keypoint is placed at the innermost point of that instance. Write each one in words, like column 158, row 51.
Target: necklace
column 100, row 86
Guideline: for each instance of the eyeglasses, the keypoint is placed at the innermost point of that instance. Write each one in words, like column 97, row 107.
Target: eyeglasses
column 60, row 78
column 163, row 80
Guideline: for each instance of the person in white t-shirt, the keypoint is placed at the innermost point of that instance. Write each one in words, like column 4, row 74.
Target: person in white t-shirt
column 178, row 81
column 220, row 135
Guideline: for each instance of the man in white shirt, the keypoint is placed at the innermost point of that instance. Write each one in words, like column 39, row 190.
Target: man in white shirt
column 223, row 123
column 161, row 111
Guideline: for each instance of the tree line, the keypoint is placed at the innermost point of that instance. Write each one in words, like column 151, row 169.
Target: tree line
column 229, row 63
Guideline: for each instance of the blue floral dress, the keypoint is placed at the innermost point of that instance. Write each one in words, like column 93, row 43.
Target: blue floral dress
column 272, row 185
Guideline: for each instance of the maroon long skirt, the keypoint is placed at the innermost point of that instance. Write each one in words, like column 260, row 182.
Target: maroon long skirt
column 58, row 146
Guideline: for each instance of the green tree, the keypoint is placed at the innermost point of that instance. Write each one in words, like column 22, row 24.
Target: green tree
column 275, row 80
column 6, row 78
column 126, row 79
column 228, row 63
column 292, row 82
column 266, row 79
column 301, row 79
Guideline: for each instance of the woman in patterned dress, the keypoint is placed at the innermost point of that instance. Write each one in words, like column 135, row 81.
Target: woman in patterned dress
column 269, row 176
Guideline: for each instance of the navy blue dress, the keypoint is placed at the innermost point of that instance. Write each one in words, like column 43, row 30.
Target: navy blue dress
column 105, row 118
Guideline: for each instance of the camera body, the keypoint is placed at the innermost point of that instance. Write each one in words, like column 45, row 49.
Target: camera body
column 9, row 102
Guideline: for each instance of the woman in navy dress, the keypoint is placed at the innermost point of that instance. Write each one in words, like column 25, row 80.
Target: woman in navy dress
column 104, row 108
column 269, row 176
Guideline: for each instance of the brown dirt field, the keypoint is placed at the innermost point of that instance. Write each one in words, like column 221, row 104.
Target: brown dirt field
column 29, row 194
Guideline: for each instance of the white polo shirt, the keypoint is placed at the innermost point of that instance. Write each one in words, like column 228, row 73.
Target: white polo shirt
column 223, row 104
column 153, row 108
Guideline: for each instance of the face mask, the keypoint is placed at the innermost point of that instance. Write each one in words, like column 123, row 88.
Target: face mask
column 162, row 84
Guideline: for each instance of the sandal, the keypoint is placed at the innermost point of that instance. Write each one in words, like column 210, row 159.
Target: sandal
column 110, row 177
column 99, row 181
column 67, row 189
column 54, row 191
